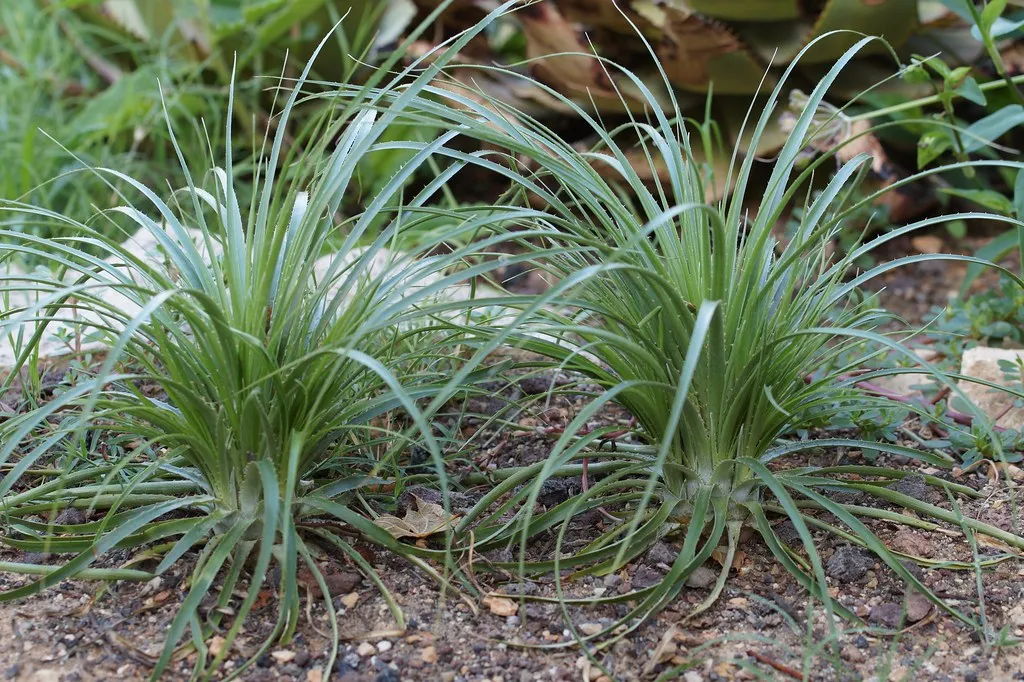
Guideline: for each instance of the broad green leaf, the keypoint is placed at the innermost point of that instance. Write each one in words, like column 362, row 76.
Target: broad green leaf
column 1018, row 195
column 931, row 146
column 970, row 91
column 990, row 199
column 992, row 11
column 992, row 127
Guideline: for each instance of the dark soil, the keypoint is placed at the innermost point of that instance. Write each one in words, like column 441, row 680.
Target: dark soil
column 762, row 626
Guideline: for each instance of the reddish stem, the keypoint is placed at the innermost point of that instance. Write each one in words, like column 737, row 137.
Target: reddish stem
column 781, row 667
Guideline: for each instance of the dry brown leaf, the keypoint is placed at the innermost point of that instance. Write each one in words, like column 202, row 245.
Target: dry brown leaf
column 263, row 597
column 665, row 650
column 992, row 543
column 737, row 560
column 561, row 58
column 548, row 33
column 501, row 606
column 426, row 520
column 724, row 670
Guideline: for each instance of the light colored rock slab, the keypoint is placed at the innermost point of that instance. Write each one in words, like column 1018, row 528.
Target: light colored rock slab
column 983, row 363
column 20, row 308
column 909, row 384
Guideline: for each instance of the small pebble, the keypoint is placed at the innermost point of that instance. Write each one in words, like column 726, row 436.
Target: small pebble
column 612, row 579
column 662, row 553
column 383, row 645
column 388, row 675
column 849, row 563
column 887, row 615
column 702, row 577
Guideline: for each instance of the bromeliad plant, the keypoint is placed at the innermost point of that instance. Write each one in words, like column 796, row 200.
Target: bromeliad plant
column 262, row 385
column 717, row 339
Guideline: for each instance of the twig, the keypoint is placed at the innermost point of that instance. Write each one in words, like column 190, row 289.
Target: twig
column 781, row 667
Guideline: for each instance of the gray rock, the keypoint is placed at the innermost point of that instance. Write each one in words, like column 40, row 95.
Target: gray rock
column 918, row 606
column 887, row 615
column 612, row 579
column 701, row 578
column 849, row 563
column 662, row 553
column 525, row 587
column 646, row 577
column 915, row 486
column 388, row 675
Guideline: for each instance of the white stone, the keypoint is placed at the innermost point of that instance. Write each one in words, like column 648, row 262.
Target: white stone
column 18, row 309
column 909, row 384
column 983, row 363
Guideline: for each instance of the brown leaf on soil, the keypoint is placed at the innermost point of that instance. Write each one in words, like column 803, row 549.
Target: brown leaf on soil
column 426, row 520
column 562, row 59
column 665, row 650
column 696, row 49
column 737, row 560
column 263, row 597
column 992, row 543
column 548, row 33
column 501, row 606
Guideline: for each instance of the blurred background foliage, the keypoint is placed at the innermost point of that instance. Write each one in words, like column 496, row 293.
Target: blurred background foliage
column 97, row 76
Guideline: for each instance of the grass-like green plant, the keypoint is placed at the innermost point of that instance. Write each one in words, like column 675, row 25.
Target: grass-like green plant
column 258, row 386
column 48, row 89
column 717, row 338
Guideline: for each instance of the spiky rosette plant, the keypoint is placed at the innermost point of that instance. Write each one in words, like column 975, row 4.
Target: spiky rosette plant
column 260, row 376
column 715, row 336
